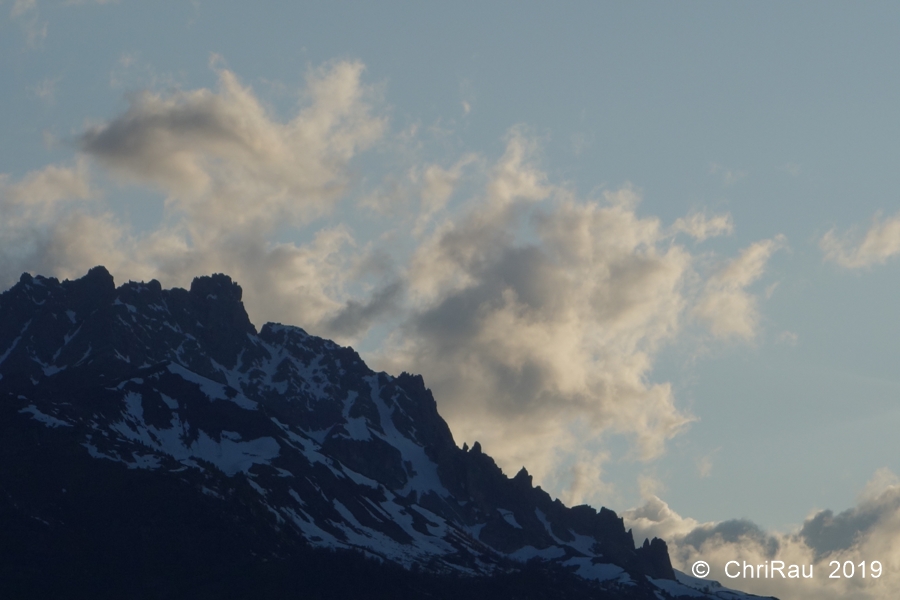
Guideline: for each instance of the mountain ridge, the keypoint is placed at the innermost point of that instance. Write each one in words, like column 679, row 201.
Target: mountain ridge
column 289, row 434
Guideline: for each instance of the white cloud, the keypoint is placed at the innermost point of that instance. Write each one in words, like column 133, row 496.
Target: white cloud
column 867, row 532
column 212, row 151
column 48, row 186
column 881, row 242
column 583, row 480
column 726, row 306
column 232, row 175
column 534, row 315
column 701, row 227
column 536, row 327
column 437, row 186
column 33, row 202
column 705, row 465
column 649, row 485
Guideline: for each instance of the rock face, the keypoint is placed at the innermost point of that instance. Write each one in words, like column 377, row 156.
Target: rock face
column 153, row 437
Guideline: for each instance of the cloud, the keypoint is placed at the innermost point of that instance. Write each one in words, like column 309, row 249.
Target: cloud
column 232, row 175
column 437, row 187
column 27, row 14
column 881, row 242
column 46, row 90
column 211, row 151
column 584, row 479
column 47, row 186
column 535, row 316
column 536, row 319
column 787, row 337
column 83, row 2
column 22, row 7
column 705, row 465
column 726, row 306
column 867, row 532
column 356, row 316
column 31, row 207
column 729, row 176
column 654, row 518
column 701, row 227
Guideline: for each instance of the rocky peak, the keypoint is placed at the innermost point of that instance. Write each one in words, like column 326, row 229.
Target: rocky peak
column 288, row 433
column 223, row 322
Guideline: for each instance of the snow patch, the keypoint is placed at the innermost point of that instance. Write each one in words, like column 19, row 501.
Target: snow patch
column 599, row 571
column 509, row 517
column 686, row 585
column 582, row 543
column 170, row 402
column 47, row 420
column 526, row 553
column 259, row 489
column 543, row 519
column 296, row 497
column 212, row 389
column 424, row 477
column 146, row 461
column 227, row 454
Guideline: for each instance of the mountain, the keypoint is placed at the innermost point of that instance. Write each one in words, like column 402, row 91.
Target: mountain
column 154, row 444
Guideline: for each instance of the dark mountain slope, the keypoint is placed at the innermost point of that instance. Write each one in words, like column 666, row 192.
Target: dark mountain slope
column 155, row 445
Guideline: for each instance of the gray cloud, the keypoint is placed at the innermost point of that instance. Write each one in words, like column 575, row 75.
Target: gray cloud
column 869, row 531
column 734, row 531
column 526, row 342
column 356, row 317
column 825, row 533
column 228, row 165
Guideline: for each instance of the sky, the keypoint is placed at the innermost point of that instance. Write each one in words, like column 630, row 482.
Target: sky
column 648, row 250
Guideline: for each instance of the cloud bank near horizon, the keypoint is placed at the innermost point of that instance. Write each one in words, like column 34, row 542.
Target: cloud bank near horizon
column 867, row 532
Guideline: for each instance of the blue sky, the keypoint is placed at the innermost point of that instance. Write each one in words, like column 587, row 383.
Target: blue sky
column 647, row 249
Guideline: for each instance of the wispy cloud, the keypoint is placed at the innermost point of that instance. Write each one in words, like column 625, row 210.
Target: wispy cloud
column 880, row 243
column 728, row 176
column 788, row 337
column 46, row 90
column 27, row 14
column 701, row 227
column 725, row 305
